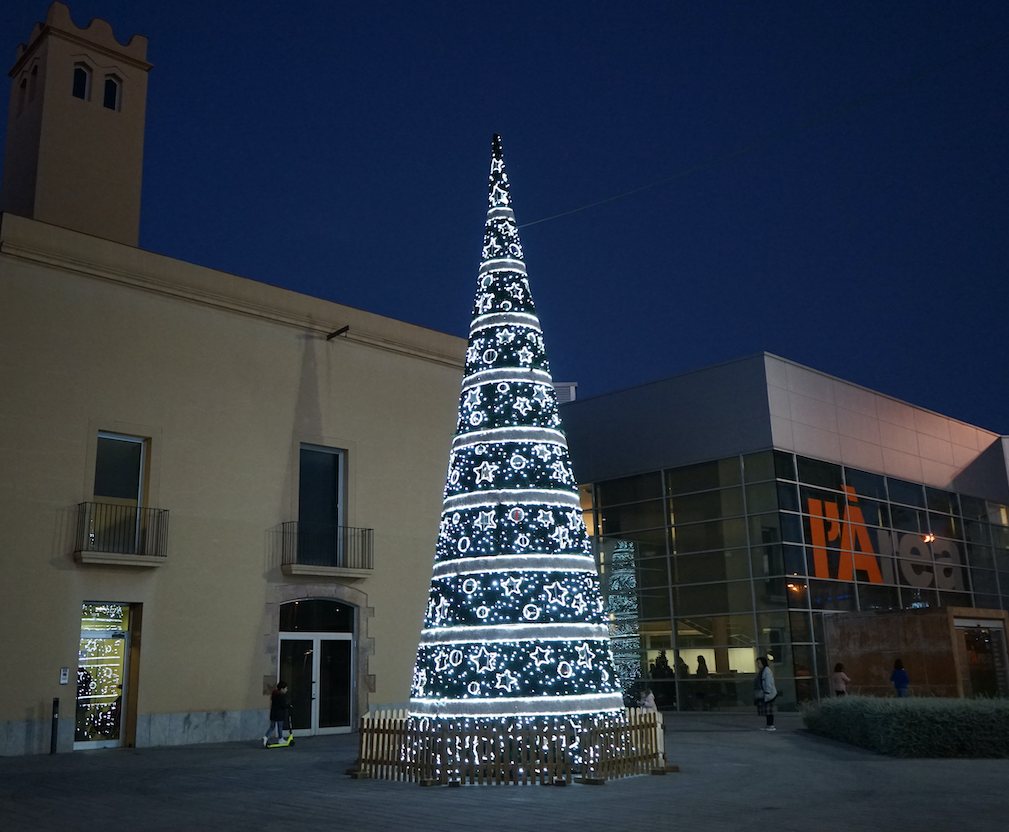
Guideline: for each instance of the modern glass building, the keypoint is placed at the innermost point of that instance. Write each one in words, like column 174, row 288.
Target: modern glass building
column 736, row 507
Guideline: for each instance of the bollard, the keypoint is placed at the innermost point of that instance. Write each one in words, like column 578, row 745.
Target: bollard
column 56, row 723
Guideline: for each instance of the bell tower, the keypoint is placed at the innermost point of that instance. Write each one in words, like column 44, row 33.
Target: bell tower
column 75, row 129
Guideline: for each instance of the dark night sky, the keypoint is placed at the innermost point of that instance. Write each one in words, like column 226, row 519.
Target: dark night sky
column 341, row 149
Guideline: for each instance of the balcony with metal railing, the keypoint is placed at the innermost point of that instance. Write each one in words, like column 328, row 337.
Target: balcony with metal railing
column 327, row 551
column 121, row 535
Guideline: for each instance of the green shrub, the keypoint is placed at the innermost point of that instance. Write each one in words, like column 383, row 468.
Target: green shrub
column 915, row 727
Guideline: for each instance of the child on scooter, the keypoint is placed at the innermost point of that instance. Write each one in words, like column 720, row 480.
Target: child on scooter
column 278, row 712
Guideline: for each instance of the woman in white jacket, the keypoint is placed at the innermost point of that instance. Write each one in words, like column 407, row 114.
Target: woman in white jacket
column 764, row 693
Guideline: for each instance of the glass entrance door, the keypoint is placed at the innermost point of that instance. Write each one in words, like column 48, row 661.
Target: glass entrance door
column 101, row 675
column 985, row 652
column 318, row 669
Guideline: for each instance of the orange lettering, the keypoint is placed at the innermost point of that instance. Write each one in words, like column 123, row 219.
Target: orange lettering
column 863, row 557
column 818, row 538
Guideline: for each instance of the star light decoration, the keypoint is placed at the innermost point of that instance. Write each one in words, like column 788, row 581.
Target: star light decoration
column 515, row 627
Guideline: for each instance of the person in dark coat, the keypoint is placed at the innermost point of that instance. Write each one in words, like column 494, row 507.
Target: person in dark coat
column 278, row 712
column 764, row 692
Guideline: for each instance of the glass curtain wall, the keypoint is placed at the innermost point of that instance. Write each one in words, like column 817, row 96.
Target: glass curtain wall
column 720, row 562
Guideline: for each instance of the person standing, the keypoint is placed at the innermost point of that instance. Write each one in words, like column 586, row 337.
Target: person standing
column 647, row 701
column 278, row 711
column 764, row 693
column 900, row 679
column 840, row 680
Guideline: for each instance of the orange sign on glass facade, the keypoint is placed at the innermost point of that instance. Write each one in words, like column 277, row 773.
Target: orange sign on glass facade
column 923, row 559
column 857, row 552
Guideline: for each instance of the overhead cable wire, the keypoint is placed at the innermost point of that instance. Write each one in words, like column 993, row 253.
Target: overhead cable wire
column 773, row 138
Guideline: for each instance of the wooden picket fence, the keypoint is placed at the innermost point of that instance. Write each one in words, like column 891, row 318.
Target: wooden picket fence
column 394, row 746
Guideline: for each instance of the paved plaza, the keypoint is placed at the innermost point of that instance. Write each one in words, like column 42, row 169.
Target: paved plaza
column 732, row 776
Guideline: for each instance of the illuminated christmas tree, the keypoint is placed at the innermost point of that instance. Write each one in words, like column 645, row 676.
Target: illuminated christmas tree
column 515, row 628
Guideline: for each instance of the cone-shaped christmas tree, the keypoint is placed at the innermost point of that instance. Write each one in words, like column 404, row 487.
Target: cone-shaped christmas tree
column 514, row 628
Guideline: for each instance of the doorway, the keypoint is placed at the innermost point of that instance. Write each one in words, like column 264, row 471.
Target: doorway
column 984, row 666
column 102, row 676
column 317, row 663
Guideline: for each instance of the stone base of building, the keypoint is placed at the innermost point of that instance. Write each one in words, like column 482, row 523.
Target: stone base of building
column 34, row 736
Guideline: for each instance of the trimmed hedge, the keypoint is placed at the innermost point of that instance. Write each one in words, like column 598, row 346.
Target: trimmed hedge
column 915, row 727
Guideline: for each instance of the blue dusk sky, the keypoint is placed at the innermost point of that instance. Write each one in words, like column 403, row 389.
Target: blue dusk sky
column 825, row 181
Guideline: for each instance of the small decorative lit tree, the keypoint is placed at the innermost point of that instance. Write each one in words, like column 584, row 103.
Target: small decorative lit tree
column 515, row 631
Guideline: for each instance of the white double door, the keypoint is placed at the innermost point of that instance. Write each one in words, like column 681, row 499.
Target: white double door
column 319, row 671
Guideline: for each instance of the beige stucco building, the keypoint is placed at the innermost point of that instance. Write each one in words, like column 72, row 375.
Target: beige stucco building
column 202, row 484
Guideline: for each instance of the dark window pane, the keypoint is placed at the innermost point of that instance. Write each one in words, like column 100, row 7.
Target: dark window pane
column 987, row 602
column 832, row 595
column 760, row 498
column 711, row 566
column 784, row 465
column 709, row 505
column 955, row 599
column 335, row 683
column 866, row 484
column 804, row 666
column 1000, row 536
column 629, row 489
column 942, row 501
column 909, row 493
column 318, row 507
column 758, row 467
column 875, row 597
column 770, row 593
column 117, row 468
column 765, row 529
column 908, row 519
column 812, row 501
column 815, row 472
column 703, row 477
column 80, row 82
column 714, row 599
column 653, row 604
column 980, row 557
column 801, row 626
column 977, row 532
column 772, row 628
column 984, row 581
column 316, row 616
column 618, row 519
column 652, row 573
column 791, row 527
column 973, row 509
column 793, row 560
column 872, row 513
column 111, row 101
column 788, row 498
column 766, row 561
column 700, row 537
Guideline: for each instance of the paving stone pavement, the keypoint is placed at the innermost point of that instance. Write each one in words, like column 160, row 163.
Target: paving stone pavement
column 732, row 776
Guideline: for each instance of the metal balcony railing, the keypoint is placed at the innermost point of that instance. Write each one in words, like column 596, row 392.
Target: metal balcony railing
column 123, row 530
column 337, row 546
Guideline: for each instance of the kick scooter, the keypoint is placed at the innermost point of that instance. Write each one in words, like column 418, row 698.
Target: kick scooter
column 280, row 742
